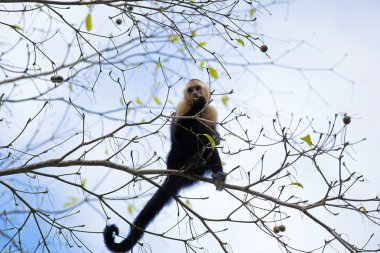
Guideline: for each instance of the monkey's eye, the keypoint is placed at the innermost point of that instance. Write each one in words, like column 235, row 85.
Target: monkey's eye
column 198, row 88
column 189, row 90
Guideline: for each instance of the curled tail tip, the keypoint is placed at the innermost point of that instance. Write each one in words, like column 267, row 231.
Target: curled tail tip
column 109, row 240
column 108, row 233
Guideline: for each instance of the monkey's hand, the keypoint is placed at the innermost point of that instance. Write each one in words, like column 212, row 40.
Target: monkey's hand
column 198, row 160
column 219, row 177
column 199, row 103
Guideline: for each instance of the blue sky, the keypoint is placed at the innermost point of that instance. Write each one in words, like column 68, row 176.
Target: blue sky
column 331, row 30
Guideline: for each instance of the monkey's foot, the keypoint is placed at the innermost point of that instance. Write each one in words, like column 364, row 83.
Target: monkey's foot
column 219, row 177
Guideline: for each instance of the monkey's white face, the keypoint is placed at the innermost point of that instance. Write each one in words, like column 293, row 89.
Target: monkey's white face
column 194, row 92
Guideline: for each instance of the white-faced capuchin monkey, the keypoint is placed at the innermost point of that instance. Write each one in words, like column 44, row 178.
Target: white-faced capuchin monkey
column 190, row 151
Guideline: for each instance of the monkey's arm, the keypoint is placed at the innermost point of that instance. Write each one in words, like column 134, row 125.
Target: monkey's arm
column 183, row 127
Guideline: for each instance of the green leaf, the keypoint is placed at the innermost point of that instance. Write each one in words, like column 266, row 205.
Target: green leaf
column 212, row 72
column 201, row 44
column 138, row 101
column 173, row 38
column 210, row 139
column 70, row 86
column 106, row 151
column 170, row 102
column 188, row 203
column 223, row 163
column 17, row 27
column 156, row 100
column 297, row 184
column 83, row 183
column 307, row 139
column 224, row 100
column 193, row 33
column 240, row 41
column 121, row 100
column 252, row 13
column 157, row 66
column 72, row 201
column 130, row 208
column 363, row 209
column 201, row 64
column 88, row 22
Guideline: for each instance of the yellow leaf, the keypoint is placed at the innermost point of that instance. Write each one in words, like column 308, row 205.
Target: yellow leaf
column 88, row 22
column 224, row 100
column 157, row 67
column 130, row 208
column 201, row 44
column 121, row 100
column 188, row 203
column 83, row 183
column 297, row 184
column 173, row 38
column 307, row 139
column 138, row 101
column 210, row 139
column 156, row 100
column 170, row 102
column 252, row 12
column 106, row 151
column 193, row 34
column 240, row 41
column 70, row 86
column 17, row 27
column 201, row 64
column 363, row 209
column 72, row 201
column 212, row 72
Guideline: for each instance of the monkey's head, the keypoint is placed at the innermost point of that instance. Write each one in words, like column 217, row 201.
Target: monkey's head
column 194, row 90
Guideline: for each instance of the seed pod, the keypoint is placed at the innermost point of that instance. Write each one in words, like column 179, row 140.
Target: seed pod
column 130, row 8
column 282, row 228
column 56, row 79
column 276, row 229
column 264, row 48
column 119, row 21
column 346, row 119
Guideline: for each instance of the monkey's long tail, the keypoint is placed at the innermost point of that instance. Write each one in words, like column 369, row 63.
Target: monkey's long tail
column 170, row 187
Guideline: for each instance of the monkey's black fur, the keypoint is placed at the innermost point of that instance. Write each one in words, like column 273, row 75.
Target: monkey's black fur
column 190, row 152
